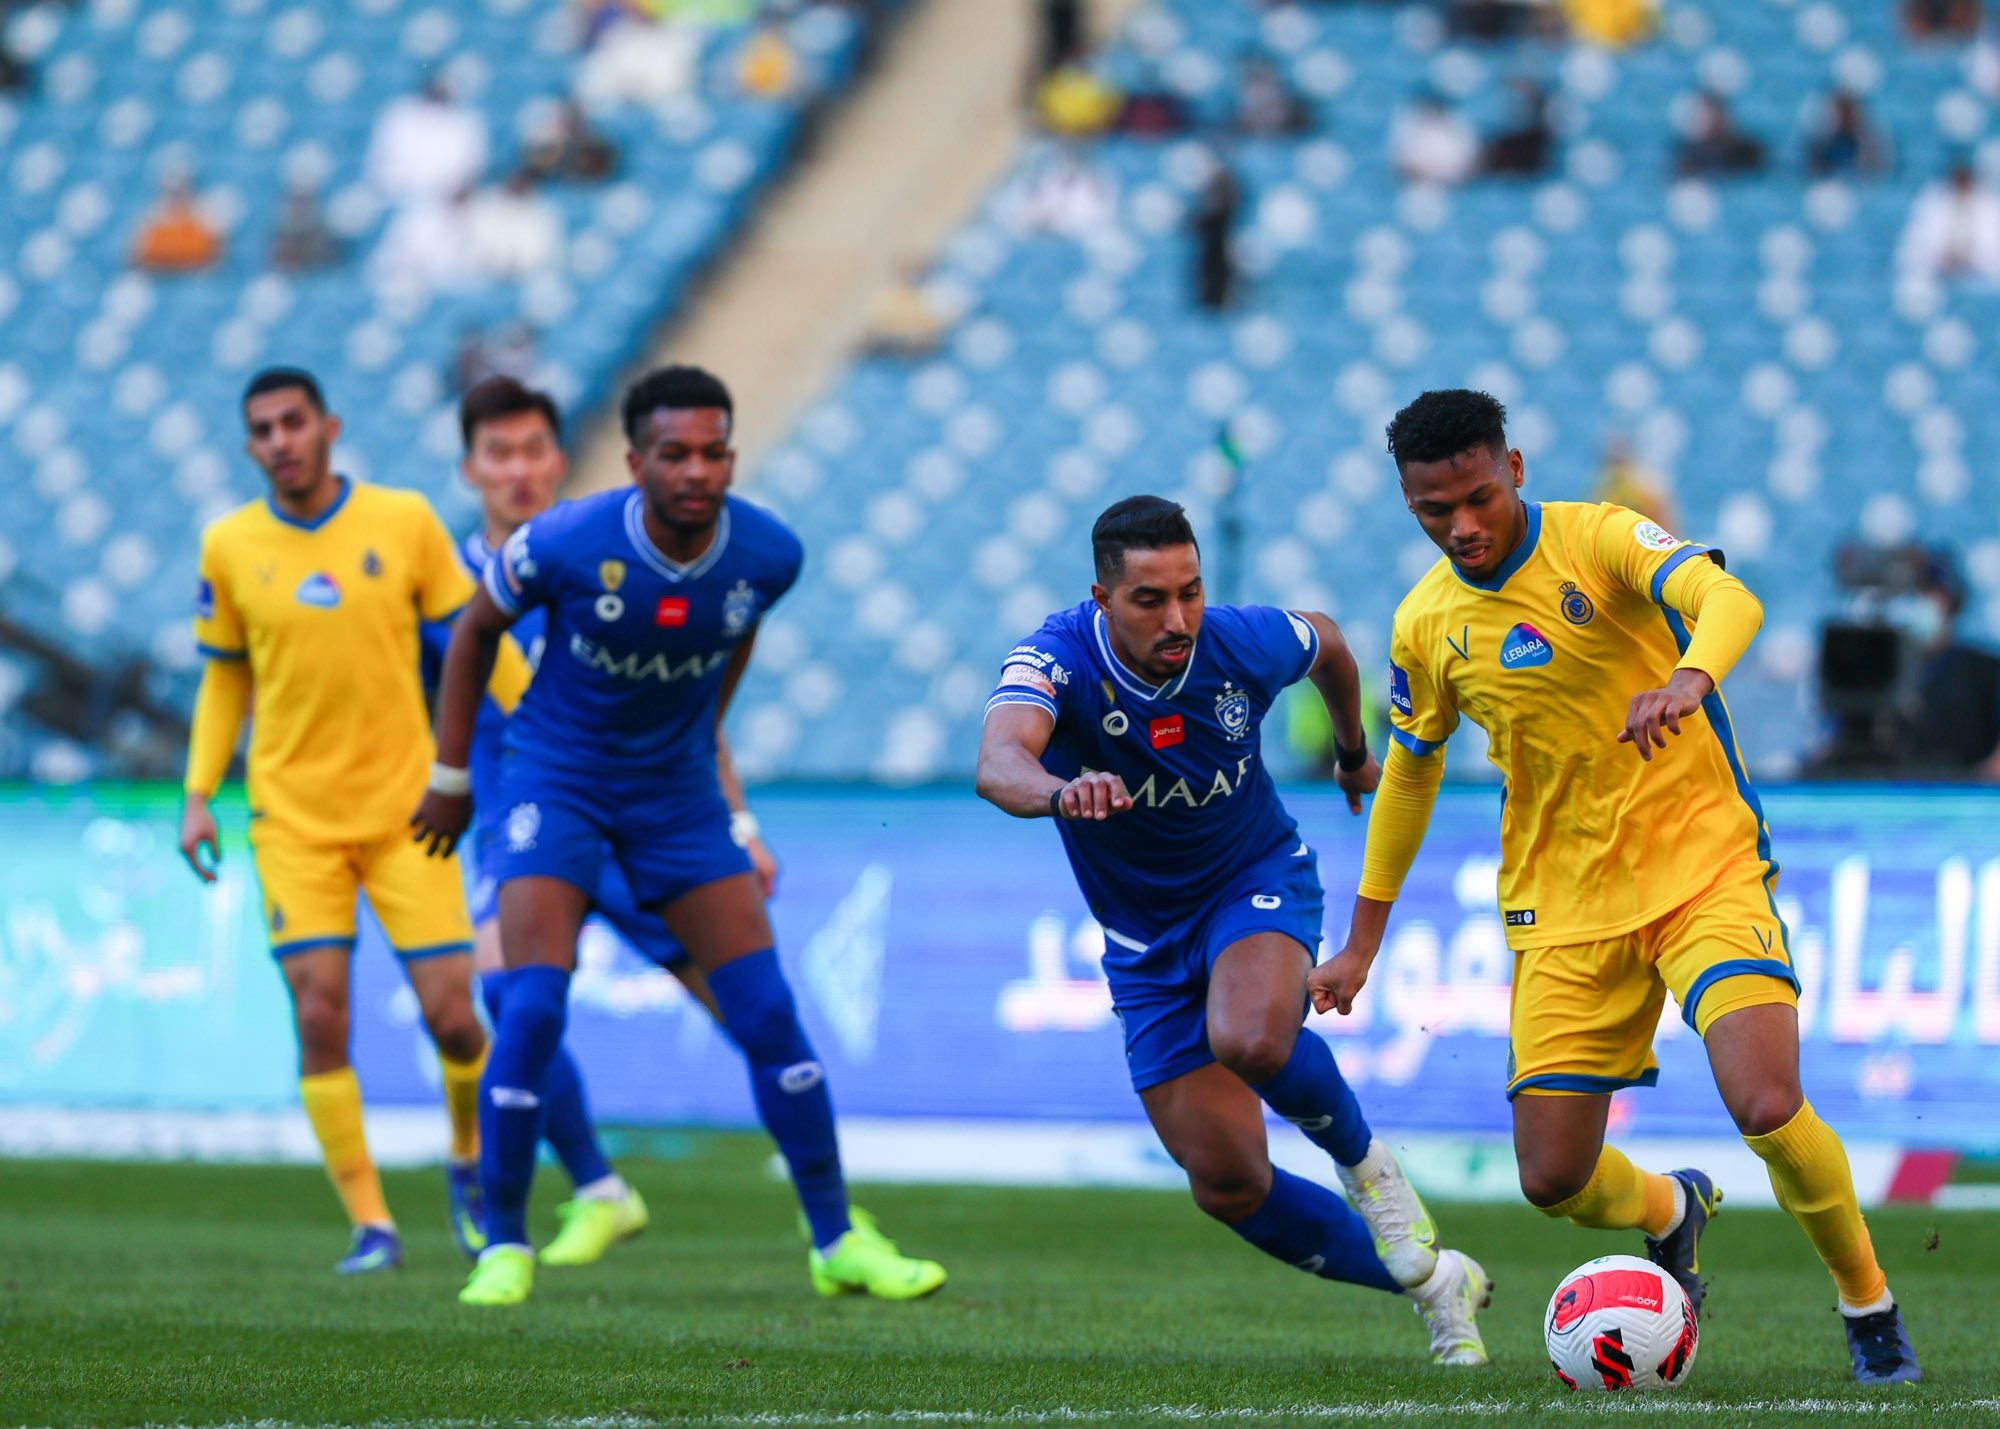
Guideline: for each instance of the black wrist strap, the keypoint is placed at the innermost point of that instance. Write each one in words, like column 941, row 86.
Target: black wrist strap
column 1055, row 802
column 1349, row 760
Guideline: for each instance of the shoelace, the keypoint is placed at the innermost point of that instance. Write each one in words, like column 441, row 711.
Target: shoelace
column 1875, row 1335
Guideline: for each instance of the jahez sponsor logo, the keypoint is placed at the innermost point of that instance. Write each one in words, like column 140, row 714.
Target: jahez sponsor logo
column 1167, row 732
column 671, row 612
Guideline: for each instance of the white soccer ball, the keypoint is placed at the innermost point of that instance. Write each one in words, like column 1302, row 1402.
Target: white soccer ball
column 1619, row 1322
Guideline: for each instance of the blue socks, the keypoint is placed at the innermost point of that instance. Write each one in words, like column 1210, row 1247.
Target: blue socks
column 525, row 1043
column 1307, row 1226
column 789, row 1084
column 566, row 1123
column 1311, row 1094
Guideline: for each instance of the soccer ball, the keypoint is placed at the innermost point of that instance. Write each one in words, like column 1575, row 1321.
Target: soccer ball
column 1619, row 1322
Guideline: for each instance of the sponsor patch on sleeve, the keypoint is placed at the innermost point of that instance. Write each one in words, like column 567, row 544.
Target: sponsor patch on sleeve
column 1654, row 537
column 1399, row 689
column 204, row 600
column 1025, row 676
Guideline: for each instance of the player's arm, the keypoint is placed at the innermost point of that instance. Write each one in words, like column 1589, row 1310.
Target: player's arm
column 1687, row 579
column 219, row 708
column 476, row 641
column 1011, row 775
column 743, row 826
column 1334, row 674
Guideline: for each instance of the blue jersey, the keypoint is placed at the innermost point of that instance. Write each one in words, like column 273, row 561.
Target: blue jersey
column 1204, row 809
column 635, row 644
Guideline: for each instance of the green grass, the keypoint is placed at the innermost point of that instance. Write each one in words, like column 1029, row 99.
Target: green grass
column 200, row 1294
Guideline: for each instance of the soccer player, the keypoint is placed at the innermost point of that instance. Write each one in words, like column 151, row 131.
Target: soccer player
column 310, row 601
column 514, row 459
column 652, row 598
column 1591, row 645
column 1133, row 720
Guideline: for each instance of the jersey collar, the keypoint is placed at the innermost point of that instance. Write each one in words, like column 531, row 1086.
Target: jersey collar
column 1514, row 562
column 635, row 531
column 346, row 488
column 1129, row 680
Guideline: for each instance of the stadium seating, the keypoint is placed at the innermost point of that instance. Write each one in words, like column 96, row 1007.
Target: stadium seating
column 1746, row 335
column 118, row 390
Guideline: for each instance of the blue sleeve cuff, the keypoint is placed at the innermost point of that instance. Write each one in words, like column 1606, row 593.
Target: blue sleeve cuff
column 497, row 588
column 216, row 652
column 1022, row 697
column 1418, row 747
column 1673, row 563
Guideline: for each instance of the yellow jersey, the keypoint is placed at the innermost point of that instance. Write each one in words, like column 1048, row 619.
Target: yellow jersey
column 326, row 612
column 1545, row 656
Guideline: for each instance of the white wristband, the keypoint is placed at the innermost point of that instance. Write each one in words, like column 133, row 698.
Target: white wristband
column 743, row 827
column 447, row 780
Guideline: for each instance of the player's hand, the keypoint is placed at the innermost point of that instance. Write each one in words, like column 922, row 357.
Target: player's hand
column 764, row 864
column 1358, row 782
column 1335, row 983
column 440, row 822
column 1097, row 795
column 198, row 833
column 1657, row 713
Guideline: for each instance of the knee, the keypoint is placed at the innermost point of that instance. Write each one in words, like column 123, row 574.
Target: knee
column 758, row 1011
column 322, row 1022
column 1548, row 1186
column 1229, row 1189
column 1257, row 1055
column 525, row 1017
column 456, row 1031
column 1761, row 1110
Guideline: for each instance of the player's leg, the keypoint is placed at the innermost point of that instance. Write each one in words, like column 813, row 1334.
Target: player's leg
column 724, row 928
column 420, row 902
column 1256, row 1002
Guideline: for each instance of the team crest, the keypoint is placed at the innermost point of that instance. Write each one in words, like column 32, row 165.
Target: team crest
column 739, row 608
column 277, row 919
column 371, row 565
column 1577, row 607
column 611, row 574
column 1232, row 711
column 524, row 821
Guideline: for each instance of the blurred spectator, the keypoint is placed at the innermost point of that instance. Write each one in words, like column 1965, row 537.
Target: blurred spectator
column 425, row 246
column 1982, row 63
column 1714, row 146
column 1266, row 105
column 1075, row 102
column 1843, row 141
column 636, row 59
column 904, row 321
column 1064, row 194
column 1941, row 19
column 303, row 240
column 1953, row 230
column 16, row 74
column 176, row 236
column 1213, row 221
column 767, row 68
column 426, row 147
column 1061, row 36
column 1501, row 19
column 1624, row 480
column 1611, row 23
column 512, row 230
column 1429, row 144
column 1152, row 110
column 506, row 352
column 1955, row 725
column 567, row 147
column 1527, row 149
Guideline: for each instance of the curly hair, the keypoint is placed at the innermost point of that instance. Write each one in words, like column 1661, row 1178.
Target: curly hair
column 1439, row 425
column 676, row 388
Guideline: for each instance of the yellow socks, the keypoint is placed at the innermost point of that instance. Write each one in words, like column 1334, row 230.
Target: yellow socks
column 461, row 1100
column 1619, row 1197
column 1809, row 1172
column 333, row 1106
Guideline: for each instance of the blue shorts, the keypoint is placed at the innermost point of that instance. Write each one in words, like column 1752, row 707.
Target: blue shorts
column 612, row 904
column 1160, row 988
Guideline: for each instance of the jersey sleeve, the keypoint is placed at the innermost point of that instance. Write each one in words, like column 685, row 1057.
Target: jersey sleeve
column 516, row 577
column 1422, row 714
column 1037, row 672
column 1640, row 554
column 443, row 587
column 1282, row 646
column 218, row 625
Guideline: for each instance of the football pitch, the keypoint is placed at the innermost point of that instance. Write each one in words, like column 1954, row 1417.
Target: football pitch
column 202, row 1294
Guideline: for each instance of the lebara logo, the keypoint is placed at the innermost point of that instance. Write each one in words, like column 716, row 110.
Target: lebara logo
column 1525, row 646
column 318, row 589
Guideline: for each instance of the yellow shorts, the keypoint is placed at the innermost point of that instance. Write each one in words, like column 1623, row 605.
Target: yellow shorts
column 1584, row 1015
column 310, row 887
